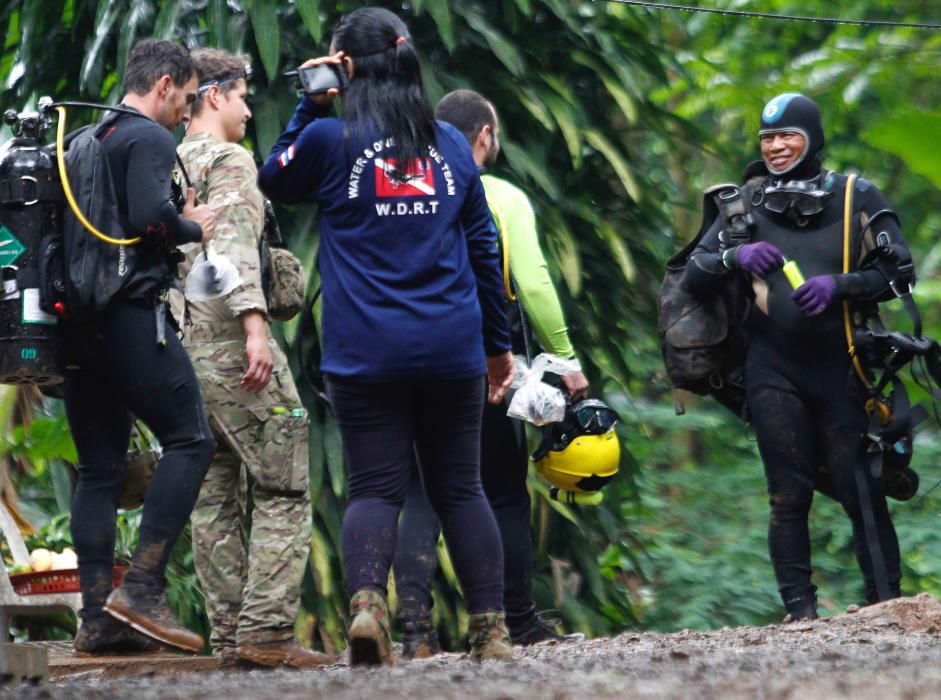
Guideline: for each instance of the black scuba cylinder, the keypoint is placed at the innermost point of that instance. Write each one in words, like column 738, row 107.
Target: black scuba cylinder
column 30, row 208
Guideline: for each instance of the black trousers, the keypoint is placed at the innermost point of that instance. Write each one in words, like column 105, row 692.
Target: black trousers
column 504, row 463
column 115, row 371
column 384, row 425
column 807, row 408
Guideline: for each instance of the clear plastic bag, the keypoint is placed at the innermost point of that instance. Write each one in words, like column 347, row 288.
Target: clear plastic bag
column 534, row 400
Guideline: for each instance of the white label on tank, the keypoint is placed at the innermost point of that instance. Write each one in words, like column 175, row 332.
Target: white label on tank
column 31, row 311
column 10, row 290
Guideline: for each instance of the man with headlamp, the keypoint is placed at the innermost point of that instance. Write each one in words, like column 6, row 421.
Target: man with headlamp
column 803, row 397
column 251, row 576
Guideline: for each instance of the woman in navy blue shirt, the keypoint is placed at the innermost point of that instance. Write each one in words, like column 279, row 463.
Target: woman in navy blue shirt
column 413, row 317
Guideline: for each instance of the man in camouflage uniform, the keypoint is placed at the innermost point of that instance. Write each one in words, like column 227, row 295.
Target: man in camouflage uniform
column 251, row 582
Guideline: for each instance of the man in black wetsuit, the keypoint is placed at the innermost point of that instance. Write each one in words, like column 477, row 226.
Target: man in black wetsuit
column 803, row 398
column 117, row 369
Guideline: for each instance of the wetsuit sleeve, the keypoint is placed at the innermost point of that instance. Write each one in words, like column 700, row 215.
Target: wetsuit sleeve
column 232, row 192
column 481, row 235
column 294, row 168
column 705, row 272
column 872, row 284
column 516, row 221
column 150, row 164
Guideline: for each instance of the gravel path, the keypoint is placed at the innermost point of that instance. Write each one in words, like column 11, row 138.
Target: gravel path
column 892, row 650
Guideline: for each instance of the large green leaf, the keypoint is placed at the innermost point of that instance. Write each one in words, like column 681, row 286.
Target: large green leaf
column 617, row 161
column 166, row 24
column 267, row 30
column 309, row 10
column 444, row 20
column 905, row 134
column 502, row 48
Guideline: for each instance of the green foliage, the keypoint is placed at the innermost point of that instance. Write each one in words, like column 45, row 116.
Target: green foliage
column 614, row 119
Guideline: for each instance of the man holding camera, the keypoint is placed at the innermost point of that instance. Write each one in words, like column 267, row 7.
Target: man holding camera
column 252, row 584
column 126, row 361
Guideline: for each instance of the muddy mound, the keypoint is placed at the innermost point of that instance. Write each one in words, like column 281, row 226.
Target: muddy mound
column 921, row 613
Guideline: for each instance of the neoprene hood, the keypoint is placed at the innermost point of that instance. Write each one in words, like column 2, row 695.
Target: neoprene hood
column 795, row 112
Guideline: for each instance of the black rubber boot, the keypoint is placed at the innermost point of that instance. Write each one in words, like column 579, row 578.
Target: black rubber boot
column 872, row 597
column 803, row 607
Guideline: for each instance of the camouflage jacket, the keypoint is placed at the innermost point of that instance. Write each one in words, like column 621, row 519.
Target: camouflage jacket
column 225, row 177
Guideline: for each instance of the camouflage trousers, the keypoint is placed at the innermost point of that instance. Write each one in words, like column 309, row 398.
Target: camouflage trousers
column 251, row 524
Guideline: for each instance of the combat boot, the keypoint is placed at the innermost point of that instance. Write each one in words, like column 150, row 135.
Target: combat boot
column 488, row 636
column 102, row 634
column 288, row 653
column 370, row 639
column 419, row 639
column 145, row 609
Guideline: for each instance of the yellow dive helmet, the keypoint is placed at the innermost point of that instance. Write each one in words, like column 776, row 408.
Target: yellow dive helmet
column 581, row 453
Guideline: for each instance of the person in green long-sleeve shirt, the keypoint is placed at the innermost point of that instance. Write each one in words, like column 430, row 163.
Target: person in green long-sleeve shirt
column 504, row 455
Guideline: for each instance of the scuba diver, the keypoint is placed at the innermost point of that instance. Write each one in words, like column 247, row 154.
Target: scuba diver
column 805, row 394
column 125, row 360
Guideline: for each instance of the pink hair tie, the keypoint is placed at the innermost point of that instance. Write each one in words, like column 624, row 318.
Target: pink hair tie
column 400, row 40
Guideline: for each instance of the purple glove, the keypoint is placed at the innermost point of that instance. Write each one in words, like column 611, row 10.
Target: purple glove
column 815, row 295
column 760, row 258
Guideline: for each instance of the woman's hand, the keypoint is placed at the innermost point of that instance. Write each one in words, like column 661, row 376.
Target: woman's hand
column 500, row 371
column 336, row 59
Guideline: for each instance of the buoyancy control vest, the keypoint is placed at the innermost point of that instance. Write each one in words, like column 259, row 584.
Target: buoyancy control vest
column 702, row 339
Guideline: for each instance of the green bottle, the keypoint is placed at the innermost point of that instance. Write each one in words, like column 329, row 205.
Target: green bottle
column 793, row 273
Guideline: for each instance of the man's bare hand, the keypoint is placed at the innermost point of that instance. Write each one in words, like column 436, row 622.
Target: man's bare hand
column 202, row 214
column 257, row 352
column 576, row 384
column 500, row 371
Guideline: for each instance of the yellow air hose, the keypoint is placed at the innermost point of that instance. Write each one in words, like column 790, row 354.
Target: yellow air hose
column 847, row 322
column 66, row 187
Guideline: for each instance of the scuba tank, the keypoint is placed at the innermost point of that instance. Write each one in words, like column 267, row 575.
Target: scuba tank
column 30, row 207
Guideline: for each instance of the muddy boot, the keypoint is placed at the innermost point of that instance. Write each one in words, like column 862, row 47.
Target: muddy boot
column 370, row 640
column 145, row 609
column 419, row 639
column 102, row 634
column 288, row 653
column 534, row 628
column 488, row 637
column 227, row 657
column 803, row 607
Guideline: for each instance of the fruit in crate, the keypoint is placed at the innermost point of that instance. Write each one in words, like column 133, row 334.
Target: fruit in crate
column 19, row 569
column 40, row 559
column 66, row 560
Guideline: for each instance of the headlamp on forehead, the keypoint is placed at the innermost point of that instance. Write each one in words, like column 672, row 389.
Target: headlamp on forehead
column 245, row 73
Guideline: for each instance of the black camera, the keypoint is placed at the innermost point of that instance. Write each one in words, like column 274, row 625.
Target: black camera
column 316, row 80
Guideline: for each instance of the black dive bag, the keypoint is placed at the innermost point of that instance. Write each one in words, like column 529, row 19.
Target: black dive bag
column 94, row 270
column 702, row 340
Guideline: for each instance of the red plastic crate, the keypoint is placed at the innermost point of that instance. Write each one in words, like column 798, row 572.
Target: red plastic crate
column 58, row 581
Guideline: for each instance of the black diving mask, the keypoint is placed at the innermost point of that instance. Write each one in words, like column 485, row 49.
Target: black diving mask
column 804, row 197
column 594, row 417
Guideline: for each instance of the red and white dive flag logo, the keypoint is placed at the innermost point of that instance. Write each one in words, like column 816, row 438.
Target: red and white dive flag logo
column 391, row 181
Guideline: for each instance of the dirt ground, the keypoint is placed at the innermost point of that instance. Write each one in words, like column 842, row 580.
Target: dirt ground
column 891, row 650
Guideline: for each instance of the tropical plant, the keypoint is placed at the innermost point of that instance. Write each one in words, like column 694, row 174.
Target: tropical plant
column 614, row 119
